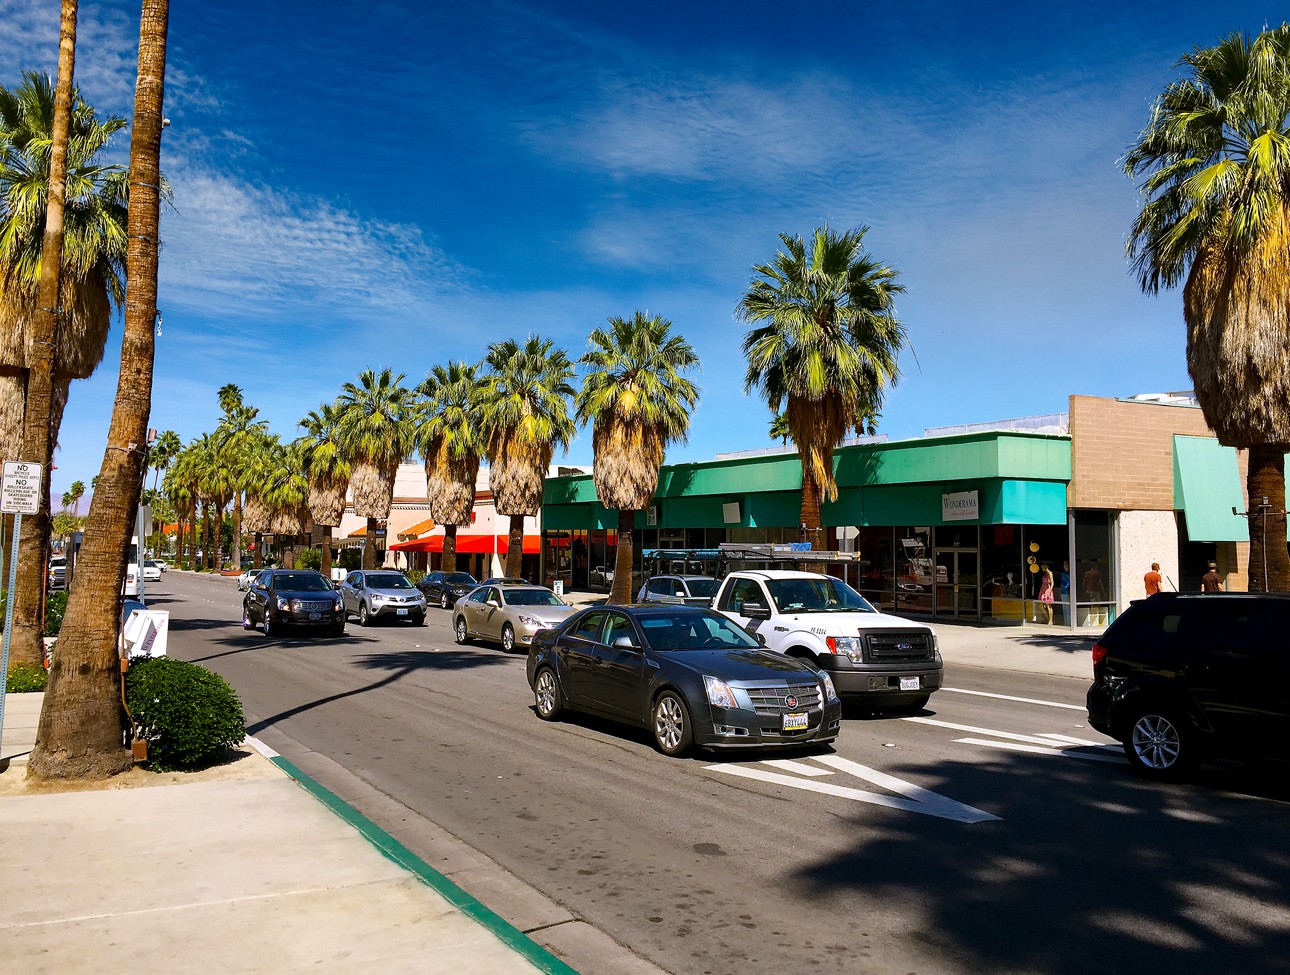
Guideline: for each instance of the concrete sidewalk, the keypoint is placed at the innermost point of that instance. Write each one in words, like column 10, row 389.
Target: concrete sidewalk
column 233, row 869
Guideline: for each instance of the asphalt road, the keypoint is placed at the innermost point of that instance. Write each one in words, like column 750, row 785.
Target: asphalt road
column 994, row 833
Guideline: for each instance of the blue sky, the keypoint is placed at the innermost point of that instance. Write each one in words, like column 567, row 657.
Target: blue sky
column 399, row 184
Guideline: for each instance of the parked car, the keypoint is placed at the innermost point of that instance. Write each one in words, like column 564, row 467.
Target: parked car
column 1181, row 677
column 508, row 614
column 602, row 575
column 887, row 663
column 162, row 564
column 151, row 571
column 445, row 588
column 58, row 572
column 246, row 578
column 299, row 597
column 382, row 594
column 689, row 675
column 678, row 590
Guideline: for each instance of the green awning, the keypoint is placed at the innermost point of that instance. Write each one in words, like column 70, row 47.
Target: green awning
column 1207, row 488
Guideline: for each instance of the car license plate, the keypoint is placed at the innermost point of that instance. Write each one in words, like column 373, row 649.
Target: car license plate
column 795, row 722
column 315, row 616
column 403, row 612
column 909, row 683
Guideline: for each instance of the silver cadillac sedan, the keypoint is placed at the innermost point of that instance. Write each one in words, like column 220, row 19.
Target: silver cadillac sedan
column 508, row 614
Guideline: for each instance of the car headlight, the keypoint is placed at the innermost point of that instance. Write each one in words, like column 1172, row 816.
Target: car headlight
column 338, row 603
column 852, row 646
column 283, row 602
column 719, row 693
column 377, row 597
column 830, row 693
column 530, row 620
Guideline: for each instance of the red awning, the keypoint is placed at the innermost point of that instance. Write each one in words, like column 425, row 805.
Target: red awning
column 469, row 544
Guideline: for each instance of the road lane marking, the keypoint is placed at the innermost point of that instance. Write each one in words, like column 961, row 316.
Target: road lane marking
column 928, row 803
column 1028, row 739
column 801, row 768
column 1020, row 700
column 1051, row 752
column 1068, row 740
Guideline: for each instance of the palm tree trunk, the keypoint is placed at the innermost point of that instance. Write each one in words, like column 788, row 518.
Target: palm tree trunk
column 206, row 535
column 325, row 545
column 369, row 544
column 515, row 547
column 621, row 591
column 26, row 645
column 449, row 548
column 237, row 530
column 259, row 550
column 1269, row 569
column 192, row 539
column 219, row 535
column 79, row 734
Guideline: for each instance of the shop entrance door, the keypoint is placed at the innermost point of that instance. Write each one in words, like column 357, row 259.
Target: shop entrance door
column 957, row 583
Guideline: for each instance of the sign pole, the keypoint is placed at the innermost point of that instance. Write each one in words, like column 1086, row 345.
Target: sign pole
column 8, row 611
column 20, row 494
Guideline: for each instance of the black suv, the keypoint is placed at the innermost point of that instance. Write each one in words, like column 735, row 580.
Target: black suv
column 1182, row 676
column 299, row 597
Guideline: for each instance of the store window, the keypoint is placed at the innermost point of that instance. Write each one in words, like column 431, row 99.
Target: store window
column 876, row 578
column 1046, row 550
column 914, row 570
column 1094, row 570
column 1003, row 573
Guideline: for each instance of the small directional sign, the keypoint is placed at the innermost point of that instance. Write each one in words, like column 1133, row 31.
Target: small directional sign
column 20, row 491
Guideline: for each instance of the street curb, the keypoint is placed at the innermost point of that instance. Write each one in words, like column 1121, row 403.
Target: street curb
column 396, row 852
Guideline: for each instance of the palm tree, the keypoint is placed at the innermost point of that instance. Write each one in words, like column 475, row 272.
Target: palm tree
column 375, row 427
column 160, row 455
column 180, row 489
column 286, row 494
column 1216, row 218
column 237, row 431
column 329, row 472
column 449, row 439
column 79, row 734
column 263, row 459
column 824, row 348
column 524, row 409
column 638, row 403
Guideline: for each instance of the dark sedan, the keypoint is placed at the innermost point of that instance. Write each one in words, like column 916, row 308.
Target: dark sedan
column 298, row 597
column 445, row 588
column 689, row 675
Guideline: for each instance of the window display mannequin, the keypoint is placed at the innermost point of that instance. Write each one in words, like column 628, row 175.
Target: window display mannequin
column 1046, row 594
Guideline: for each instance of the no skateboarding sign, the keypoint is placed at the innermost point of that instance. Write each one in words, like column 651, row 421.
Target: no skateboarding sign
column 20, row 492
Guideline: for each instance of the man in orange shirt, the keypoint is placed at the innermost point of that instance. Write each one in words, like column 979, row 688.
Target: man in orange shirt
column 1152, row 579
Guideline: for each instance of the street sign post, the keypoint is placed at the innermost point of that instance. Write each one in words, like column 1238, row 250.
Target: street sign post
column 19, row 495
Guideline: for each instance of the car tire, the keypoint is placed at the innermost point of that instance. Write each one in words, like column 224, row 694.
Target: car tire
column 269, row 629
column 443, row 601
column 1159, row 744
column 420, row 620
column 246, row 618
column 670, row 723
column 363, row 618
column 338, row 629
column 459, row 630
column 547, row 697
column 508, row 638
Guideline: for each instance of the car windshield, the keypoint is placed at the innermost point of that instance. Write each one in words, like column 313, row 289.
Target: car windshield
column 460, row 579
column 822, row 595
column 701, row 587
column 388, row 580
column 300, row 582
column 695, row 631
column 532, row 597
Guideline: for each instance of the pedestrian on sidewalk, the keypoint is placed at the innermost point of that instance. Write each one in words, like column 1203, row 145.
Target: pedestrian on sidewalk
column 1046, row 595
column 1211, row 582
column 1152, row 579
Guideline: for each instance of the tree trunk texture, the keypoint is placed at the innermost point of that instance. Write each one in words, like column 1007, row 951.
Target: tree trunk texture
column 515, row 547
column 26, row 645
column 1269, row 568
column 449, row 548
column 325, row 544
column 219, row 536
column 259, row 550
column 237, row 530
column 621, row 591
column 79, row 734
column 206, row 536
column 369, row 545
column 811, row 528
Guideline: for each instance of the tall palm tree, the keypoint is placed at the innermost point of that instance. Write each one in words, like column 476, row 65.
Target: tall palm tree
column 79, row 734
column 263, row 459
column 638, row 402
column 160, row 455
column 1215, row 157
column 286, row 494
column 329, row 472
column 237, row 430
column 524, row 412
column 180, row 489
column 823, row 348
column 375, row 428
column 448, row 436
column 72, row 500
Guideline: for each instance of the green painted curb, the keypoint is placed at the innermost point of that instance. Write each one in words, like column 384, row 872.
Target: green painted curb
column 393, row 850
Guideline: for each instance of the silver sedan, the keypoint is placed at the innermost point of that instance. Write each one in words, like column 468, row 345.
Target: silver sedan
column 509, row 615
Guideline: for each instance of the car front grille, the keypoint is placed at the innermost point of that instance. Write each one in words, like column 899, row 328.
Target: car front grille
column 899, row 645
column 308, row 606
column 773, row 699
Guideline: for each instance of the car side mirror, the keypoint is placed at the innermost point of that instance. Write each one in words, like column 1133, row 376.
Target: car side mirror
column 625, row 643
column 494, row 603
column 755, row 611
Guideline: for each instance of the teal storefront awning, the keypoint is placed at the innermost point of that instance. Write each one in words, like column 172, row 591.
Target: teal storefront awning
column 1207, row 489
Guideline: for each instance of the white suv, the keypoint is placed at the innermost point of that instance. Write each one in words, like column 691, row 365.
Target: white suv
column 886, row 662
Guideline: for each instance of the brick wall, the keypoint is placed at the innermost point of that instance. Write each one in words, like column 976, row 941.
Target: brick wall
column 1122, row 455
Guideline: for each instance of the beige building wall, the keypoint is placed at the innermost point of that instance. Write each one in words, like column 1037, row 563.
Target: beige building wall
column 1146, row 537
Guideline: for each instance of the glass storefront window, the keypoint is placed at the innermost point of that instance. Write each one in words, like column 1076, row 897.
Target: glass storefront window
column 1092, row 578
column 1002, row 573
column 1047, row 547
column 876, row 580
column 914, row 569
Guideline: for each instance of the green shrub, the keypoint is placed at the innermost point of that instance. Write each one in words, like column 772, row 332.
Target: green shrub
column 55, row 607
column 309, row 558
column 415, row 575
column 188, row 714
column 25, row 678
column 351, row 559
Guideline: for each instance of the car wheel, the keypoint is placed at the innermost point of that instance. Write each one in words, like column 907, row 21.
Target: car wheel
column 443, row 600
column 1159, row 744
column 671, row 725
column 547, row 696
column 268, row 626
column 508, row 638
column 460, row 629
column 338, row 629
column 420, row 620
column 363, row 618
column 246, row 618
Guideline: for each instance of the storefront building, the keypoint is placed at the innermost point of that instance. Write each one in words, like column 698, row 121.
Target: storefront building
column 968, row 525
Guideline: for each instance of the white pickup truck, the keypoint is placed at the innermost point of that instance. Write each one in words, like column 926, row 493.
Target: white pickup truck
column 883, row 662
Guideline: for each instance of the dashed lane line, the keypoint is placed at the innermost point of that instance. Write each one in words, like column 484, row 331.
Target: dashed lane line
column 1049, row 751
column 1009, row 697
